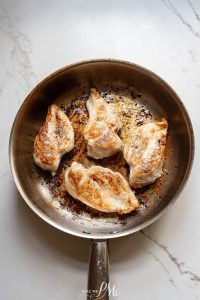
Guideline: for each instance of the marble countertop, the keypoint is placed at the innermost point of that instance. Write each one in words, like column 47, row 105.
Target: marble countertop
column 38, row 37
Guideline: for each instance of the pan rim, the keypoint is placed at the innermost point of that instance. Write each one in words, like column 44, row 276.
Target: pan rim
column 53, row 223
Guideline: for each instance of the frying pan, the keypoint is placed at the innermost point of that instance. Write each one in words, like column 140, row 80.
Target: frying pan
column 65, row 85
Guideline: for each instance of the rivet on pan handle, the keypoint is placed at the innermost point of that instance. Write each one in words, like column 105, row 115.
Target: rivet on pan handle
column 98, row 277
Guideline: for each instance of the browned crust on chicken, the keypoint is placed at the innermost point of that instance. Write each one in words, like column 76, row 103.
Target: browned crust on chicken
column 144, row 153
column 55, row 138
column 101, row 130
column 100, row 188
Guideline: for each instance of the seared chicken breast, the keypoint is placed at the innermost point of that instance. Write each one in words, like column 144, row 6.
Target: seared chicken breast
column 144, row 152
column 55, row 138
column 101, row 130
column 100, row 188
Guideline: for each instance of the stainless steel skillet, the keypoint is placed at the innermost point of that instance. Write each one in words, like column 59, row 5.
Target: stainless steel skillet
column 35, row 186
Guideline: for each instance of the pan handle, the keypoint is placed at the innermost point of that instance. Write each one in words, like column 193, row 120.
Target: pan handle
column 98, row 277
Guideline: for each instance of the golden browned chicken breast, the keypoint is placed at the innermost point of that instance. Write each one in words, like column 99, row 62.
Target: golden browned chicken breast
column 100, row 132
column 144, row 152
column 55, row 138
column 100, row 188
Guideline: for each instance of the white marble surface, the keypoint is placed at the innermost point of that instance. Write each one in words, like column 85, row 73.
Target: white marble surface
column 40, row 36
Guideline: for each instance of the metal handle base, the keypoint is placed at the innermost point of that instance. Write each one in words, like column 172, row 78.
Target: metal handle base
column 98, row 277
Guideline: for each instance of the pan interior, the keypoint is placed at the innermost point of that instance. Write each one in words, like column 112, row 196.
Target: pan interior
column 151, row 97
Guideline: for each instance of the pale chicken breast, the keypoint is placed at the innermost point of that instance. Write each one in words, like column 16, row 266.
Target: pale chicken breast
column 55, row 138
column 144, row 152
column 100, row 188
column 101, row 130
